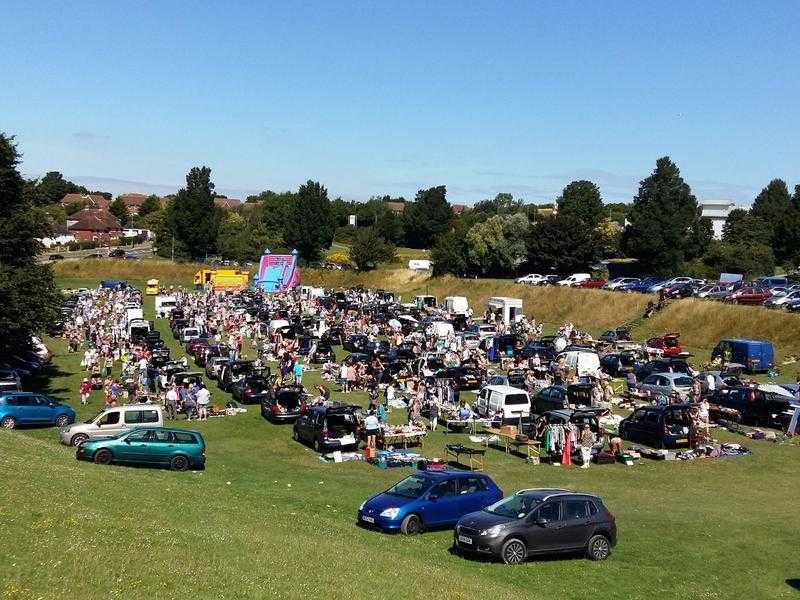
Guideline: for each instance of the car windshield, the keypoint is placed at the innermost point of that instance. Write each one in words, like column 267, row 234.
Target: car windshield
column 412, row 486
column 92, row 418
column 514, row 507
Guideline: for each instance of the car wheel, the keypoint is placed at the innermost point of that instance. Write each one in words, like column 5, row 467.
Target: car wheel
column 513, row 552
column 103, row 457
column 78, row 439
column 179, row 463
column 62, row 420
column 598, row 548
column 295, row 437
column 8, row 423
column 411, row 525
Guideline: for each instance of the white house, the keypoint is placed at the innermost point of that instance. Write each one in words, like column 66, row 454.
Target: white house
column 717, row 211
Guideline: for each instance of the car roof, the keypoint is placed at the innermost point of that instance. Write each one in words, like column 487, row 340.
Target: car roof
column 670, row 375
column 450, row 474
column 175, row 429
column 504, row 389
column 547, row 493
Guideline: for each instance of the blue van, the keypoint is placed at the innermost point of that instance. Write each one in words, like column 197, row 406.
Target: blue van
column 772, row 282
column 755, row 355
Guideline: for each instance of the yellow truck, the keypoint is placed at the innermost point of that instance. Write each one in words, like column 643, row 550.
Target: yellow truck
column 152, row 288
column 222, row 279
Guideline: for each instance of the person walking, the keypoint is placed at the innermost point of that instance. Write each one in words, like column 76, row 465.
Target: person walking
column 85, row 390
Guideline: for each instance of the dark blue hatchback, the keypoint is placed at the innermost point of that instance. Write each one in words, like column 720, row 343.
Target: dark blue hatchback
column 428, row 499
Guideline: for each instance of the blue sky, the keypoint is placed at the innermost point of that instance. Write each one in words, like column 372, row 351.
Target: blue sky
column 386, row 98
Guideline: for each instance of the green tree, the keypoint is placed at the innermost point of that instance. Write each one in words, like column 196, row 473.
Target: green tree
column 449, row 253
column 582, row 199
column 28, row 293
column 664, row 220
column 309, row 222
column 498, row 245
column 368, row 249
column 786, row 239
column 234, row 239
column 743, row 227
column 149, row 205
column 389, row 226
column 192, row 217
column 748, row 259
column 427, row 217
column 772, row 204
column 119, row 210
column 561, row 244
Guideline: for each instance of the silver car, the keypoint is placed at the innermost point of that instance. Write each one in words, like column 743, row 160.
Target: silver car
column 663, row 384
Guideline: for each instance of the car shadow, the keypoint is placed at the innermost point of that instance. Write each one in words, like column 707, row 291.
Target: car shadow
column 542, row 558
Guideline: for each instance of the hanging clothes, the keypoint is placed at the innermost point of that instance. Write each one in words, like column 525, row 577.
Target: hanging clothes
column 566, row 454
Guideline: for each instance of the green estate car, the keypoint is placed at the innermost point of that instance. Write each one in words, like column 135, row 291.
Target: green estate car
column 177, row 448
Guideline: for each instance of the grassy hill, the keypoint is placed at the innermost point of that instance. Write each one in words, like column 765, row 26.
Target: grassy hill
column 268, row 519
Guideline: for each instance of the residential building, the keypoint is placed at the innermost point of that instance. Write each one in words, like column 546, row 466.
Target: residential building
column 133, row 202
column 94, row 225
column 228, row 203
column 86, row 200
column 717, row 211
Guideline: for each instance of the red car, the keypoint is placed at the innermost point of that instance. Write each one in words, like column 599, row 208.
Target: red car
column 669, row 344
column 592, row 283
column 750, row 295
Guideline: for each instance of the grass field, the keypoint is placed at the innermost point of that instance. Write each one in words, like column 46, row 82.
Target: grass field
column 267, row 519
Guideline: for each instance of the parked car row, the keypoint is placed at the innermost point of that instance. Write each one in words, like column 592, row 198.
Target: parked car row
column 527, row 523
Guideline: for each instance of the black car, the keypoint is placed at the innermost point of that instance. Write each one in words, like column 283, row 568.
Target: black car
column 752, row 406
column 550, row 398
column 618, row 334
column 201, row 358
column 658, row 426
column 326, row 428
column 56, row 257
column 232, row 371
column 116, row 253
column 283, row 405
column 251, row 389
column 535, row 522
column 324, row 353
column 464, row 378
column 618, row 364
column 356, row 343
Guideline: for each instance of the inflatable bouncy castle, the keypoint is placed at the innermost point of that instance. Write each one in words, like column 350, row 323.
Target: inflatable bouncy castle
column 277, row 272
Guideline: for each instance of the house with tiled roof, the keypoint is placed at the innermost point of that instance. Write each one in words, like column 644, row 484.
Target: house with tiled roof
column 133, row 202
column 396, row 207
column 85, row 200
column 94, row 225
column 459, row 208
column 228, row 203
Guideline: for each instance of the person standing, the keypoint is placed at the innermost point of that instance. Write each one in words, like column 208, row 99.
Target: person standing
column 298, row 373
column 203, row 396
column 434, row 415
column 171, row 403
column 586, row 441
column 343, row 377
column 372, row 425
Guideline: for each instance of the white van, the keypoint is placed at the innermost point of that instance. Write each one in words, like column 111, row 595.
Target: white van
column 456, row 305
column 133, row 314
column 113, row 421
column 276, row 324
column 440, row 329
column 586, row 364
column 165, row 305
column 503, row 401
column 574, row 279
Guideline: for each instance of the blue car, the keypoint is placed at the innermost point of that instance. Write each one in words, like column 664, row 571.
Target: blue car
column 31, row 408
column 428, row 499
column 643, row 287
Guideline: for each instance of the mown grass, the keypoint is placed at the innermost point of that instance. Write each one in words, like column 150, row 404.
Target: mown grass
column 268, row 519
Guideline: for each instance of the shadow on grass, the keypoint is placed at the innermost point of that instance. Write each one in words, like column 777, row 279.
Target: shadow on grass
column 540, row 558
column 42, row 381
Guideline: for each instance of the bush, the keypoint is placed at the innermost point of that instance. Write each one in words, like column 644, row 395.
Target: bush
column 369, row 250
column 340, row 258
